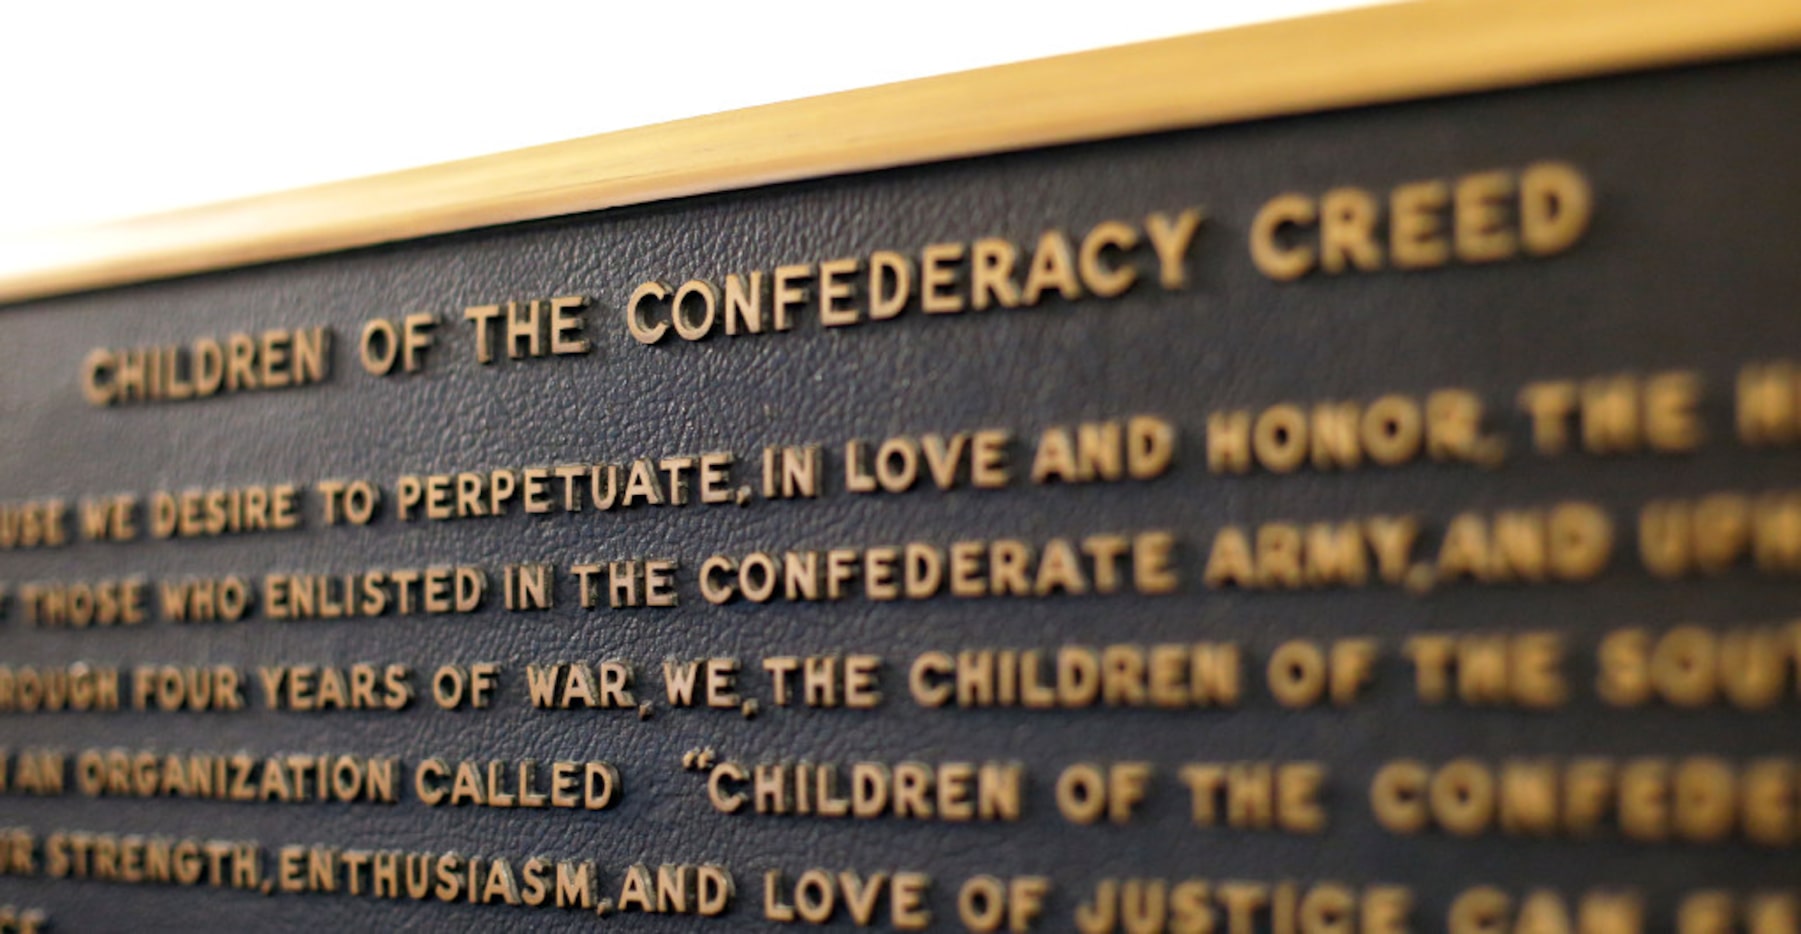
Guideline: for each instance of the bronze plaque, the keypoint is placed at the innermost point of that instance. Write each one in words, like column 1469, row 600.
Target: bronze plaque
column 1315, row 519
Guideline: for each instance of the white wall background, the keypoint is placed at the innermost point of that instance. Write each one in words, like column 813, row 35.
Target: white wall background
column 110, row 110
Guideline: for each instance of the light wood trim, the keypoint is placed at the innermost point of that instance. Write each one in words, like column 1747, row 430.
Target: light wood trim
column 1362, row 56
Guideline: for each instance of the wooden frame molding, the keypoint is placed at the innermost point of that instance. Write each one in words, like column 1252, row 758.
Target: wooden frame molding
column 1364, row 56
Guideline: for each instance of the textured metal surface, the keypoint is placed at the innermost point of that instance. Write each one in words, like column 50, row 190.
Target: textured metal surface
column 1689, row 264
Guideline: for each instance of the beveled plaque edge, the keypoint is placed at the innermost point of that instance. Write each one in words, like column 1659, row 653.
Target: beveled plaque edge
column 1338, row 60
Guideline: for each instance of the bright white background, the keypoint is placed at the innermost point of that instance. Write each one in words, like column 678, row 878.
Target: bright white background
column 110, row 110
